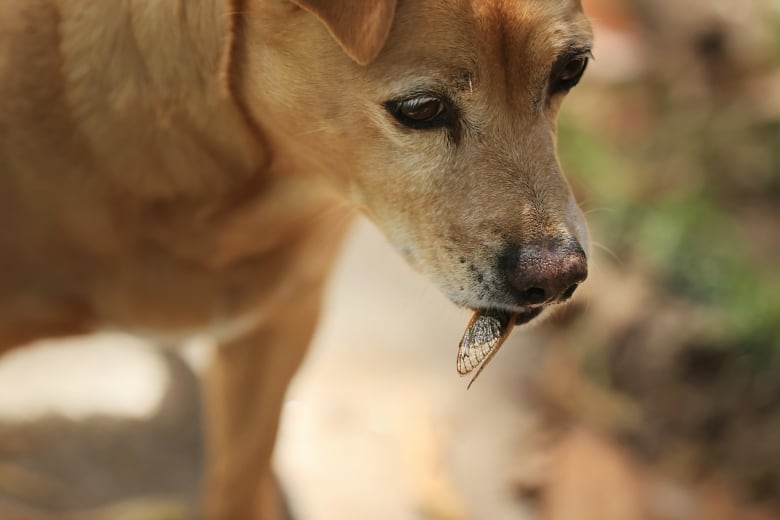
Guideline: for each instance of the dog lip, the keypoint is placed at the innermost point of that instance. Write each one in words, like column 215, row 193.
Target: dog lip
column 527, row 315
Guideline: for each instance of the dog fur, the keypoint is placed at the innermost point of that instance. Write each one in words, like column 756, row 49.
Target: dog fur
column 179, row 168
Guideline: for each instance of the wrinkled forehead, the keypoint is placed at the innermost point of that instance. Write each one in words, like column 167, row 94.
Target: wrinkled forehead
column 502, row 43
column 518, row 40
column 518, row 25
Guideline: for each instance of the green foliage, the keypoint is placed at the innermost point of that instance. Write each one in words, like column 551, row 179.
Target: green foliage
column 673, row 201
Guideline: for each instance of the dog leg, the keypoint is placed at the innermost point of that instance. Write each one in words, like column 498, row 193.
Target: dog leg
column 247, row 382
column 245, row 393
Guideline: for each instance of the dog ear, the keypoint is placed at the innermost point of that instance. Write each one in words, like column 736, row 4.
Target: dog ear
column 359, row 26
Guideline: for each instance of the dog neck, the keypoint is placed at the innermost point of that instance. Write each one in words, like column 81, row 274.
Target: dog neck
column 149, row 92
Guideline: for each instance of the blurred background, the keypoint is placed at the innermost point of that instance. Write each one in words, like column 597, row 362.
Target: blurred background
column 656, row 394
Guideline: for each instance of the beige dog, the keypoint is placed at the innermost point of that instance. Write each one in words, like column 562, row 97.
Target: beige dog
column 179, row 167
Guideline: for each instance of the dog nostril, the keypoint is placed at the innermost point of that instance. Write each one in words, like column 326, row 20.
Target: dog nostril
column 534, row 295
column 544, row 272
column 568, row 293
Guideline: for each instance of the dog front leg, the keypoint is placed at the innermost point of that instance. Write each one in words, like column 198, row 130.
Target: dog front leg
column 244, row 396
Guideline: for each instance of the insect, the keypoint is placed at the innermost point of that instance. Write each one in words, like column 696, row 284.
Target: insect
column 484, row 335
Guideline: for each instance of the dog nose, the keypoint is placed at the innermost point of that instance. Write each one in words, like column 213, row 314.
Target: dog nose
column 545, row 272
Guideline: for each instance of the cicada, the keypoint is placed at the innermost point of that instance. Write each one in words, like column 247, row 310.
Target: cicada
column 484, row 335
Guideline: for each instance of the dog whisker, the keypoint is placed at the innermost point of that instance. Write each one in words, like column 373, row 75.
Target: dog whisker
column 601, row 209
column 609, row 251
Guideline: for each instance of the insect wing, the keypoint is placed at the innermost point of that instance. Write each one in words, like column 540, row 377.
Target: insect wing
column 482, row 339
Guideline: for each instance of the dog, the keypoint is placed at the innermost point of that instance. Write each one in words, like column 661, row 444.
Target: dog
column 179, row 168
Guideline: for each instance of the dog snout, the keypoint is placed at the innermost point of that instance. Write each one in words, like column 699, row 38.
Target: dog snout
column 545, row 272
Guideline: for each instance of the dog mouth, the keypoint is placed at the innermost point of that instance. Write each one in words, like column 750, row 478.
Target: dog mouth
column 527, row 314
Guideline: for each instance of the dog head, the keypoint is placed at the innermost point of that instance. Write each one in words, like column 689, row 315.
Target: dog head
column 437, row 118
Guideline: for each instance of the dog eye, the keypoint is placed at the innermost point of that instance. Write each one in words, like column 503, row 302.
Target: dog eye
column 574, row 70
column 420, row 112
column 570, row 73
